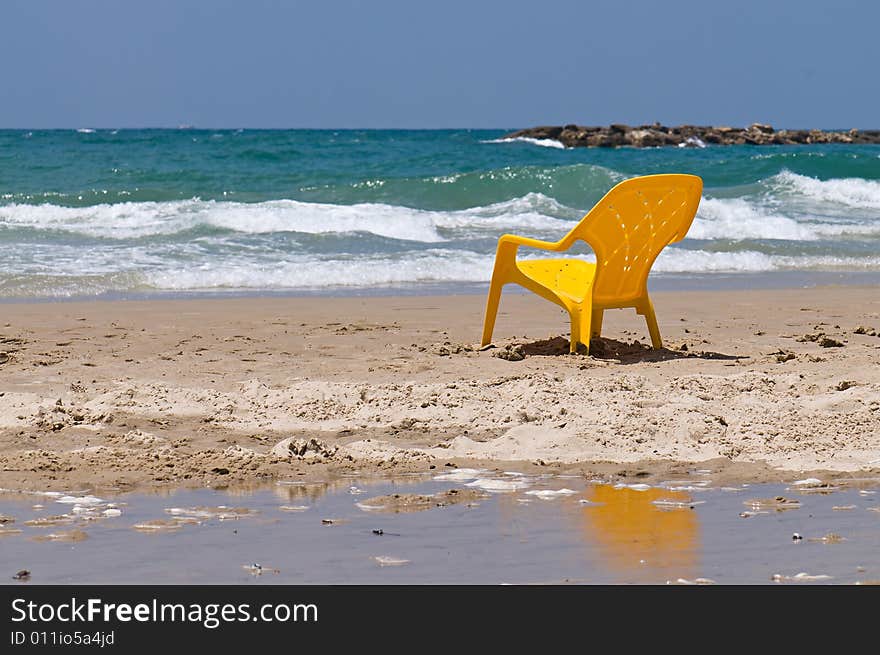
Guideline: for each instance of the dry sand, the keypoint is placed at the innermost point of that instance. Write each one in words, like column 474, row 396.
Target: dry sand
column 205, row 392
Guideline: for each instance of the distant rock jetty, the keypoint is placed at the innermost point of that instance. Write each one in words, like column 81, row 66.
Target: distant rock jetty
column 652, row 136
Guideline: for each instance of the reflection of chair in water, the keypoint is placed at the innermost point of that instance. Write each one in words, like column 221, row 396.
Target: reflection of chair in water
column 627, row 528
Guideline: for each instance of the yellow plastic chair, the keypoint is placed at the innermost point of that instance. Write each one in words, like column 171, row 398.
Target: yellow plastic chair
column 626, row 229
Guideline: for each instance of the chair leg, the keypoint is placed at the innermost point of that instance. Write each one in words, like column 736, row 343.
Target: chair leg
column 492, row 303
column 575, row 332
column 651, row 320
column 580, row 328
column 596, row 321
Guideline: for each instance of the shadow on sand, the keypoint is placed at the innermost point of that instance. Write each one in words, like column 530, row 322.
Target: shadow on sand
column 612, row 349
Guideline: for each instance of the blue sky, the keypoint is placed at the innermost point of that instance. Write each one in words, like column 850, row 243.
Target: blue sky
column 450, row 63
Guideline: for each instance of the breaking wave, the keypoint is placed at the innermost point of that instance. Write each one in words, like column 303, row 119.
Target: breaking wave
column 546, row 143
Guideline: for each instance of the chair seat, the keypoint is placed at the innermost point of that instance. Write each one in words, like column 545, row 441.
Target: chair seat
column 572, row 278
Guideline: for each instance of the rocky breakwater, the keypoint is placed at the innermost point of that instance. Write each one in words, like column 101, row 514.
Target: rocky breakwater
column 655, row 135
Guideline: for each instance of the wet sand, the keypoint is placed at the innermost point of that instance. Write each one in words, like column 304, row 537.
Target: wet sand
column 758, row 385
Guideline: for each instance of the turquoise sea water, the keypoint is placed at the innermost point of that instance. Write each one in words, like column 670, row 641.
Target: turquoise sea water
column 94, row 212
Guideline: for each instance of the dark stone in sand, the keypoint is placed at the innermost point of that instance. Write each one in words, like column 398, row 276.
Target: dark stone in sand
column 655, row 135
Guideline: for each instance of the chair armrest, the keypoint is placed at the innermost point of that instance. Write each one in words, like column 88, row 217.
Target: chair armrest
column 515, row 240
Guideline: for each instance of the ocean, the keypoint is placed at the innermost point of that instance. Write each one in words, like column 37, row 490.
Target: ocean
column 132, row 213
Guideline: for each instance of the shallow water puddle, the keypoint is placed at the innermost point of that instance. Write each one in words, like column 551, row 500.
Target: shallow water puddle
column 465, row 526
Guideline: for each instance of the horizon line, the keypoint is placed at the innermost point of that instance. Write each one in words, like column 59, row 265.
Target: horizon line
column 186, row 127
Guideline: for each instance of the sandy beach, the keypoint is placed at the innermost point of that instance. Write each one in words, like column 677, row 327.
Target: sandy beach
column 755, row 384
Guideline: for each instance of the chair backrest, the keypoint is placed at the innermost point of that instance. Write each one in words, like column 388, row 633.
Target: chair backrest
column 629, row 227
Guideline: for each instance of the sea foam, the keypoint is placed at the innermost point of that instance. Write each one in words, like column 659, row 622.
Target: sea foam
column 132, row 220
column 311, row 272
column 546, row 143
column 852, row 191
column 739, row 219
column 443, row 266
column 129, row 220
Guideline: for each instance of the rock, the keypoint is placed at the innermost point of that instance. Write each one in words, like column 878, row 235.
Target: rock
column 646, row 138
column 511, row 353
column 655, row 135
column 549, row 132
